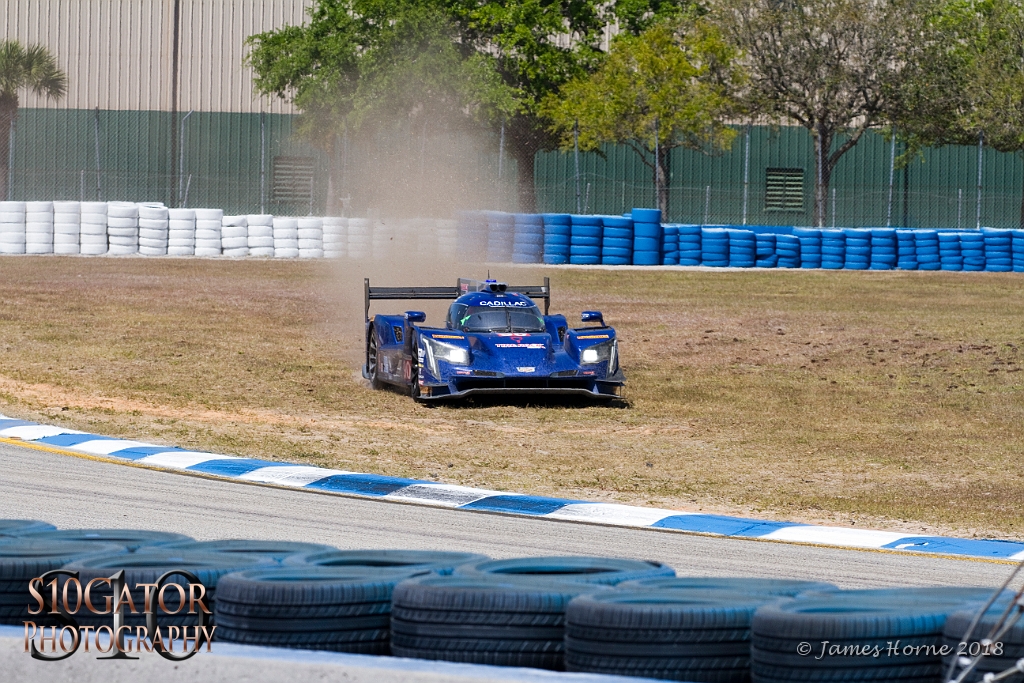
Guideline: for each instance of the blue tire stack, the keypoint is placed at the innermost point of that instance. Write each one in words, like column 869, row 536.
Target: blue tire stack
column 585, row 248
column 972, row 248
column 670, row 245
column 689, row 245
column 557, row 237
column 472, row 232
column 766, row 256
column 998, row 250
column 950, row 257
column 617, row 241
column 858, row 249
column 1017, row 237
column 501, row 229
column 906, row 249
column 742, row 249
column 787, row 247
column 884, row 253
column 646, row 237
column 528, row 242
column 927, row 249
column 714, row 247
column 833, row 249
column 810, row 247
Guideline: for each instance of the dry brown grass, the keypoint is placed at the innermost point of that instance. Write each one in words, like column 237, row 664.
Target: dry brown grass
column 880, row 399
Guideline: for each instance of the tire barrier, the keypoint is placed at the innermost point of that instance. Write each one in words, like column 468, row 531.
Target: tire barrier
column 148, row 565
column 647, row 237
column 603, row 570
column 585, row 240
column 234, row 236
column 999, row 659
column 784, row 635
column 344, row 609
column 779, row 587
column 637, row 238
column 616, row 240
column 528, row 238
column 680, row 635
column 22, row 560
column 488, row 619
column 129, row 539
column 670, row 245
column 17, row 527
column 689, row 245
column 428, row 560
column 273, row 551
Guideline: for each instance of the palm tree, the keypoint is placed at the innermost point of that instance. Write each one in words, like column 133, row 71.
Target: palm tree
column 30, row 67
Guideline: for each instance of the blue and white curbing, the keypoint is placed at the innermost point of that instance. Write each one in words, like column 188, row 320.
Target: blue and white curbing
column 465, row 498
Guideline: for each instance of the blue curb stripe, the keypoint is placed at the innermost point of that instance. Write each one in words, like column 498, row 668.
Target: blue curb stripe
column 726, row 526
column 465, row 498
column 520, row 505
column 68, row 440
column 362, row 484
column 232, row 467
column 142, row 452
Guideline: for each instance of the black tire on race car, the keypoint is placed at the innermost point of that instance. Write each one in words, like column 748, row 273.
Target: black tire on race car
column 372, row 360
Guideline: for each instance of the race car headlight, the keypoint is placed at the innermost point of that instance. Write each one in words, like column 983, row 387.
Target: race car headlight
column 456, row 355
column 599, row 353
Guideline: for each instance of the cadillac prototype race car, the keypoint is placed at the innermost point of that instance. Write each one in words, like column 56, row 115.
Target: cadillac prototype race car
column 494, row 341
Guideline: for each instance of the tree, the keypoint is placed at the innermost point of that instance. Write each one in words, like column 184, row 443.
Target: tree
column 829, row 65
column 497, row 59
column 32, row 68
column 671, row 86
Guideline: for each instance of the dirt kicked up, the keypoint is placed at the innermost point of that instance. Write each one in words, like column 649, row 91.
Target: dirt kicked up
column 887, row 400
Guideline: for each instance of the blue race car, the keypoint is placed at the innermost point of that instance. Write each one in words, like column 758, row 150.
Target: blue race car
column 495, row 341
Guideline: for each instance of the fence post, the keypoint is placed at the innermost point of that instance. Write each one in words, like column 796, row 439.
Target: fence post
column 892, row 174
column 707, row 205
column 263, row 162
column 959, row 205
column 576, row 159
column 981, row 148
column 746, row 174
column 96, row 130
column 834, row 208
column 181, row 156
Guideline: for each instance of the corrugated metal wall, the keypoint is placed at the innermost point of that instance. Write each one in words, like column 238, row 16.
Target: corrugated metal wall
column 934, row 189
column 117, row 53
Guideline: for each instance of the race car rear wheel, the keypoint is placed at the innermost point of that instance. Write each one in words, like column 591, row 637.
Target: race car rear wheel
column 372, row 361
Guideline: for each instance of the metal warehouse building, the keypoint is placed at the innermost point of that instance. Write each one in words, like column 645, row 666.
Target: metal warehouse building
column 161, row 107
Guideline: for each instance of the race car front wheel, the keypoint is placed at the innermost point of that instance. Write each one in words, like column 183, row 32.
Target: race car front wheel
column 372, row 362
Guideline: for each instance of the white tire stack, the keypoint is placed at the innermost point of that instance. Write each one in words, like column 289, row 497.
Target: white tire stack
column 359, row 239
column 181, row 232
column 286, row 237
column 383, row 238
column 260, row 235
column 234, row 236
column 208, row 228
column 447, row 238
column 12, row 227
column 154, row 229
column 38, row 227
column 122, row 228
column 311, row 238
column 93, row 236
column 335, row 237
column 67, row 227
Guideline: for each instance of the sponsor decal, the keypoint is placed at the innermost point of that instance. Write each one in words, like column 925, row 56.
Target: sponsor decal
column 526, row 369
column 504, row 304
column 51, row 643
column 519, row 346
column 446, row 336
column 593, row 336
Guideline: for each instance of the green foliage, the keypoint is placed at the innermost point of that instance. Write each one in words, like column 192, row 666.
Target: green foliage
column 32, row 67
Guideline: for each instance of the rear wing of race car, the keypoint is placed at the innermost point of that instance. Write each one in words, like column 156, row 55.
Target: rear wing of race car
column 462, row 287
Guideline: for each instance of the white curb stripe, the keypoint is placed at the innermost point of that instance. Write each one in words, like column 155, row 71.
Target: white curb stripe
column 855, row 538
column 443, row 495
column 612, row 513
column 106, row 446
column 33, row 432
column 181, row 459
column 290, row 475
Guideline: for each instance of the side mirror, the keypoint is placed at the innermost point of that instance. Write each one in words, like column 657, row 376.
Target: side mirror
column 593, row 317
column 415, row 316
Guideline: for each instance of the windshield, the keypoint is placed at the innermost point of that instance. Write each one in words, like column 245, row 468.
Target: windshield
column 488, row 319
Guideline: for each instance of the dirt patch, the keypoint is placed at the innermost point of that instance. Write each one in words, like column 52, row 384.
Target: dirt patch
column 873, row 399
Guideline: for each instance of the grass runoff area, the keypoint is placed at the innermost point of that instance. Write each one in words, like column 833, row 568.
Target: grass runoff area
column 872, row 399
